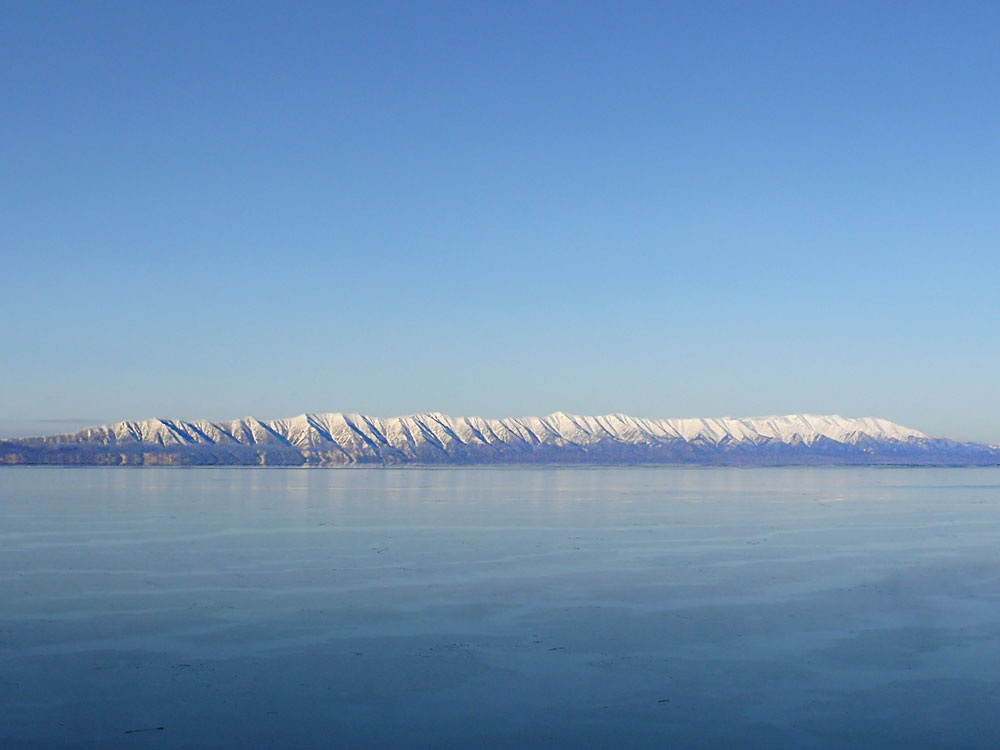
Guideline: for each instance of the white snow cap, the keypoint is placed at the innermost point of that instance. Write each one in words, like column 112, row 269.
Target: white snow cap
column 360, row 432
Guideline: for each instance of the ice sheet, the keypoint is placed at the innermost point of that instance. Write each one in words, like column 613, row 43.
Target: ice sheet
column 508, row 607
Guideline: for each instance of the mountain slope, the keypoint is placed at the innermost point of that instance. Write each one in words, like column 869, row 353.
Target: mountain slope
column 434, row 438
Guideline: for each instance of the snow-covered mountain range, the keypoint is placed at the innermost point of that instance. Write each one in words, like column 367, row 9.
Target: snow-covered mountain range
column 433, row 438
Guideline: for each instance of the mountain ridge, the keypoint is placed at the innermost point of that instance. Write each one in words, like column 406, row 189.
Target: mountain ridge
column 337, row 438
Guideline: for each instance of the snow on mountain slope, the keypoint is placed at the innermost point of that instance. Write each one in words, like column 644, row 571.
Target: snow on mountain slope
column 310, row 430
column 357, row 432
column 336, row 438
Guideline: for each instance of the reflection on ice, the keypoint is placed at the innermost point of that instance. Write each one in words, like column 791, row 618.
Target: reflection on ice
column 500, row 607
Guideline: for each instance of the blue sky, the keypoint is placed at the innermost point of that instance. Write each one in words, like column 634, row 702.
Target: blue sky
column 665, row 209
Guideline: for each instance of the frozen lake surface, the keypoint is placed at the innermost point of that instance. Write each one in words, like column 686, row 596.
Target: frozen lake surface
column 798, row 607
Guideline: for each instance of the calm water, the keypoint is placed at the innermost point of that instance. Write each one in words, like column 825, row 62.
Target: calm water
column 507, row 608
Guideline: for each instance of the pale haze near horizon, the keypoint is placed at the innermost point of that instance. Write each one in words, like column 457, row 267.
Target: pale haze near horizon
column 664, row 211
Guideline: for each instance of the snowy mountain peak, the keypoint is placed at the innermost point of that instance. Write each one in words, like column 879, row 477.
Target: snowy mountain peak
column 787, row 428
column 560, row 437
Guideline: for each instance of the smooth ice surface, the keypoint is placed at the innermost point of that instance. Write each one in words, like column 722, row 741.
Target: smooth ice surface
column 706, row 607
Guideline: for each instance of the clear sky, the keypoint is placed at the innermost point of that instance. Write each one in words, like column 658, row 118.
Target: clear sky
column 664, row 209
